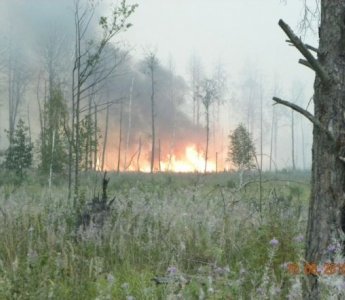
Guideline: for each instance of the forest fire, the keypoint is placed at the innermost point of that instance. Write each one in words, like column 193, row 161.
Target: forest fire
column 187, row 161
column 192, row 162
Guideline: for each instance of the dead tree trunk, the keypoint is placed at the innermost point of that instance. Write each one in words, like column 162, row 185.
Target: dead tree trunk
column 293, row 141
column 129, row 127
column 95, row 152
column 105, row 137
column 303, row 144
column 76, row 91
column 207, row 135
column 326, row 209
column 198, row 100
column 29, row 123
column 159, row 155
column 216, row 162
column 153, row 114
column 138, row 157
column 88, row 138
column 271, row 145
column 51, row 162
column 120, row 138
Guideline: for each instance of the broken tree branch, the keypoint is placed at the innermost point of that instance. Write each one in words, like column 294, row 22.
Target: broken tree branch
column 305, row 113
column 312, row 48
column 325, row 78
column 309, row 47
column 306, row 63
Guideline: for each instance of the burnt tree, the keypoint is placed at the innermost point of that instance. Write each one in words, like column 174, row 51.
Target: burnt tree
column 97, row 211
column 326, row 208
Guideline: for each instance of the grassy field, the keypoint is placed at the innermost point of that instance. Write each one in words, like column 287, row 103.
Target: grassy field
column 199, row 237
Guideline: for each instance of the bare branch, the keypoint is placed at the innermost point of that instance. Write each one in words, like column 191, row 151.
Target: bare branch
column 312, row 48
column 106, row 104
column 102, row 76
column 131, row 160
column 325, row 78
column 306, row 63
column 305, row 113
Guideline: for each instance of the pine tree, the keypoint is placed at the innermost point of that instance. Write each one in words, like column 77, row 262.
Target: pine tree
column 53, row 144
column 18, row 156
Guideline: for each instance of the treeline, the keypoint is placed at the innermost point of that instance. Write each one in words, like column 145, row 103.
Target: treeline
column 75, row 99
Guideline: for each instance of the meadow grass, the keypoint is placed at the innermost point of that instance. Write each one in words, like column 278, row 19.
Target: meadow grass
column 200, row 235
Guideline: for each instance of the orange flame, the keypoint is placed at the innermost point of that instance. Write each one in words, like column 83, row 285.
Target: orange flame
column 193, row 162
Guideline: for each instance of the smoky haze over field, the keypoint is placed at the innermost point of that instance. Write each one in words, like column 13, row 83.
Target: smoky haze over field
column 198, row 37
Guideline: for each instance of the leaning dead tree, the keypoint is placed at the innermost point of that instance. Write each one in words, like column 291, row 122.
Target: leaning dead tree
column 326, row 221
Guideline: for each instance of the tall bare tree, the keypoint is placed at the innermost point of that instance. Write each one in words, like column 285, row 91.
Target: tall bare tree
column 209, row 94
column 105, row 138
column 220, row 76
column 274, row 131
column 55, row 55
column 195, row 70
column 293, row 141
column 296, row 94
column 129, row 125
column 95, row 118
column 172, row 98
column 152, row 64
column 327, row 201
column 18, row 76
column 120, row 138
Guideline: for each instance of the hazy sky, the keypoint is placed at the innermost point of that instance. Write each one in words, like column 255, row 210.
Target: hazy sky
column 242, row 34
column 237, row 32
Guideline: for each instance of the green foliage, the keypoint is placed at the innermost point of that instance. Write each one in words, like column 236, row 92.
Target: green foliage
column 53, row 141
column 241, row 149
column 118, row 23
column 18, row 156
